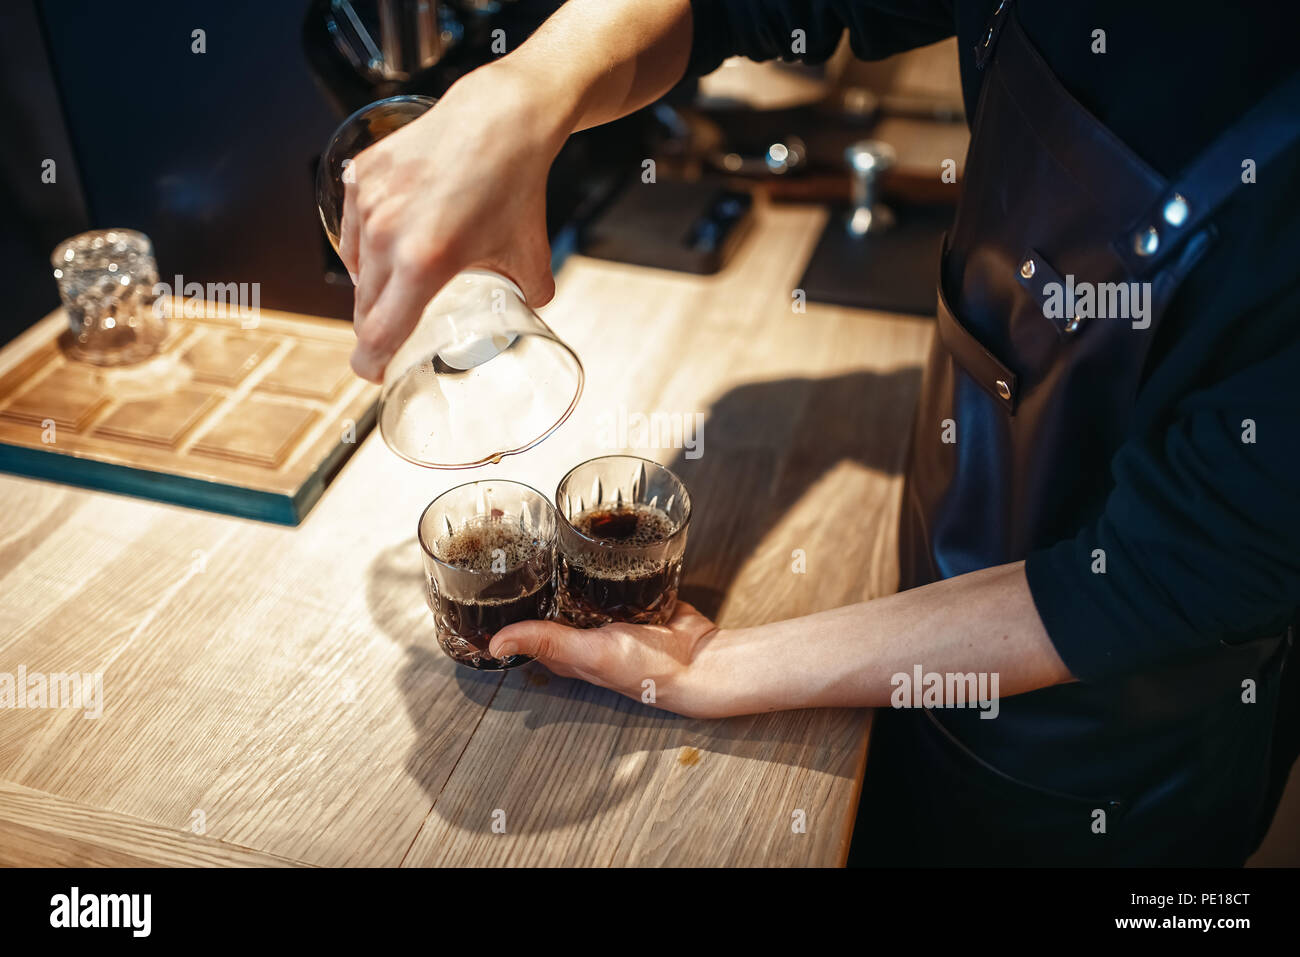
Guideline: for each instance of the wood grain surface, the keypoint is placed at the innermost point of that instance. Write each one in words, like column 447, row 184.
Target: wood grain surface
column 282, row 685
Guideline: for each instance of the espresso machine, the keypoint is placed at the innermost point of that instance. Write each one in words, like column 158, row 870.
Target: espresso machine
column 364, row 50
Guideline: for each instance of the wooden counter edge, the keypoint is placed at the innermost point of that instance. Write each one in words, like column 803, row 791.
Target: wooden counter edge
column 39, row 829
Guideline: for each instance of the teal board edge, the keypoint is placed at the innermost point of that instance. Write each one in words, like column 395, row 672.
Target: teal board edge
column 182, row 490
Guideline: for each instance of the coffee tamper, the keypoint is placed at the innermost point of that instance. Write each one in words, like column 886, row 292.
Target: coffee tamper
column 867, row 159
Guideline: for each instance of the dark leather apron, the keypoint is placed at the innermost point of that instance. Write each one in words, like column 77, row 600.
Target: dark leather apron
column 1040, row 406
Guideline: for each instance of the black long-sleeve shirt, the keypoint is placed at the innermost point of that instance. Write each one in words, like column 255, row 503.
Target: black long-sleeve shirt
column 1200, row 527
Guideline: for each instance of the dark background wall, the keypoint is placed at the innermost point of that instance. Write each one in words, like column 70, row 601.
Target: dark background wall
column 34, row 216
column 211, row 154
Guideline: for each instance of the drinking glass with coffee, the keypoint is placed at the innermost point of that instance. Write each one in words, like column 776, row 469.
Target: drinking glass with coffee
column 622, row 534
column 489, row 560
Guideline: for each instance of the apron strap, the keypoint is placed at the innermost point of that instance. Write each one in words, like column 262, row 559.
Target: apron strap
column 1266, row 131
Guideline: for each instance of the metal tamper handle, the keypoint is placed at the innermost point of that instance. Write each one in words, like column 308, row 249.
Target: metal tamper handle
column 867, row 159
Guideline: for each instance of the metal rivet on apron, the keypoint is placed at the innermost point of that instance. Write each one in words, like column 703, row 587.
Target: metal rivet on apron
column 1004, row 390
column 1146, row 241
column 1176, row 210
column 1027, row 269
column 1073, row 324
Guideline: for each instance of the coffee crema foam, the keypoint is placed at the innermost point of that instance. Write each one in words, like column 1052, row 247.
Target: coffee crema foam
column 634, row 526
column 477, row 545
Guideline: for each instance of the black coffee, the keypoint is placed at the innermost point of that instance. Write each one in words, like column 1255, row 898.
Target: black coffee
column 501, row 574
column 631, row 581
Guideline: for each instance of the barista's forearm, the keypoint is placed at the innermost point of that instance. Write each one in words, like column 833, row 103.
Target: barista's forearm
column 594, row 61
column 984, row 621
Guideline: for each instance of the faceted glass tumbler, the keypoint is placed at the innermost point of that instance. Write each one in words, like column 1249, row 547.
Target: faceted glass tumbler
column 106, row 280
column 489, row 561
column 623, row 524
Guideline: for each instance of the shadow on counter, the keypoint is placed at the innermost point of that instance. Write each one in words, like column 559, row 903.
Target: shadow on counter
column 739, row 494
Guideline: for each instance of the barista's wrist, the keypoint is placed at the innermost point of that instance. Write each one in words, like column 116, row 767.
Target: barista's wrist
column 541, row 105
column 733, row 671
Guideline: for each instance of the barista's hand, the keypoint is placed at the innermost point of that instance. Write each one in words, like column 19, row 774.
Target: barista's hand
column 623, row 657
column 847, row 657
column 462, row 186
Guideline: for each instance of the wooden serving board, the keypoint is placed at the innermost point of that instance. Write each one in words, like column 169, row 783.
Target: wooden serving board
column 247, row 418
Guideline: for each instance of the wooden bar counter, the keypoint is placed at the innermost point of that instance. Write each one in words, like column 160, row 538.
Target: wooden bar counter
column 275, row 695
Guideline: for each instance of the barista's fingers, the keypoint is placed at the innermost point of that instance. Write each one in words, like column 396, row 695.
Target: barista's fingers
column 536, row 282
column 529, row 265
column 375, row 276
column 526, row 259
column 394, row 314
column 541, row 288
column 375, row 252
column 572, row 652
column 349, row 231
column 544, row 640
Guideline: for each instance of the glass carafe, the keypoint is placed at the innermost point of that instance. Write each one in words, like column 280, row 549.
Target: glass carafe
column 481, row 376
